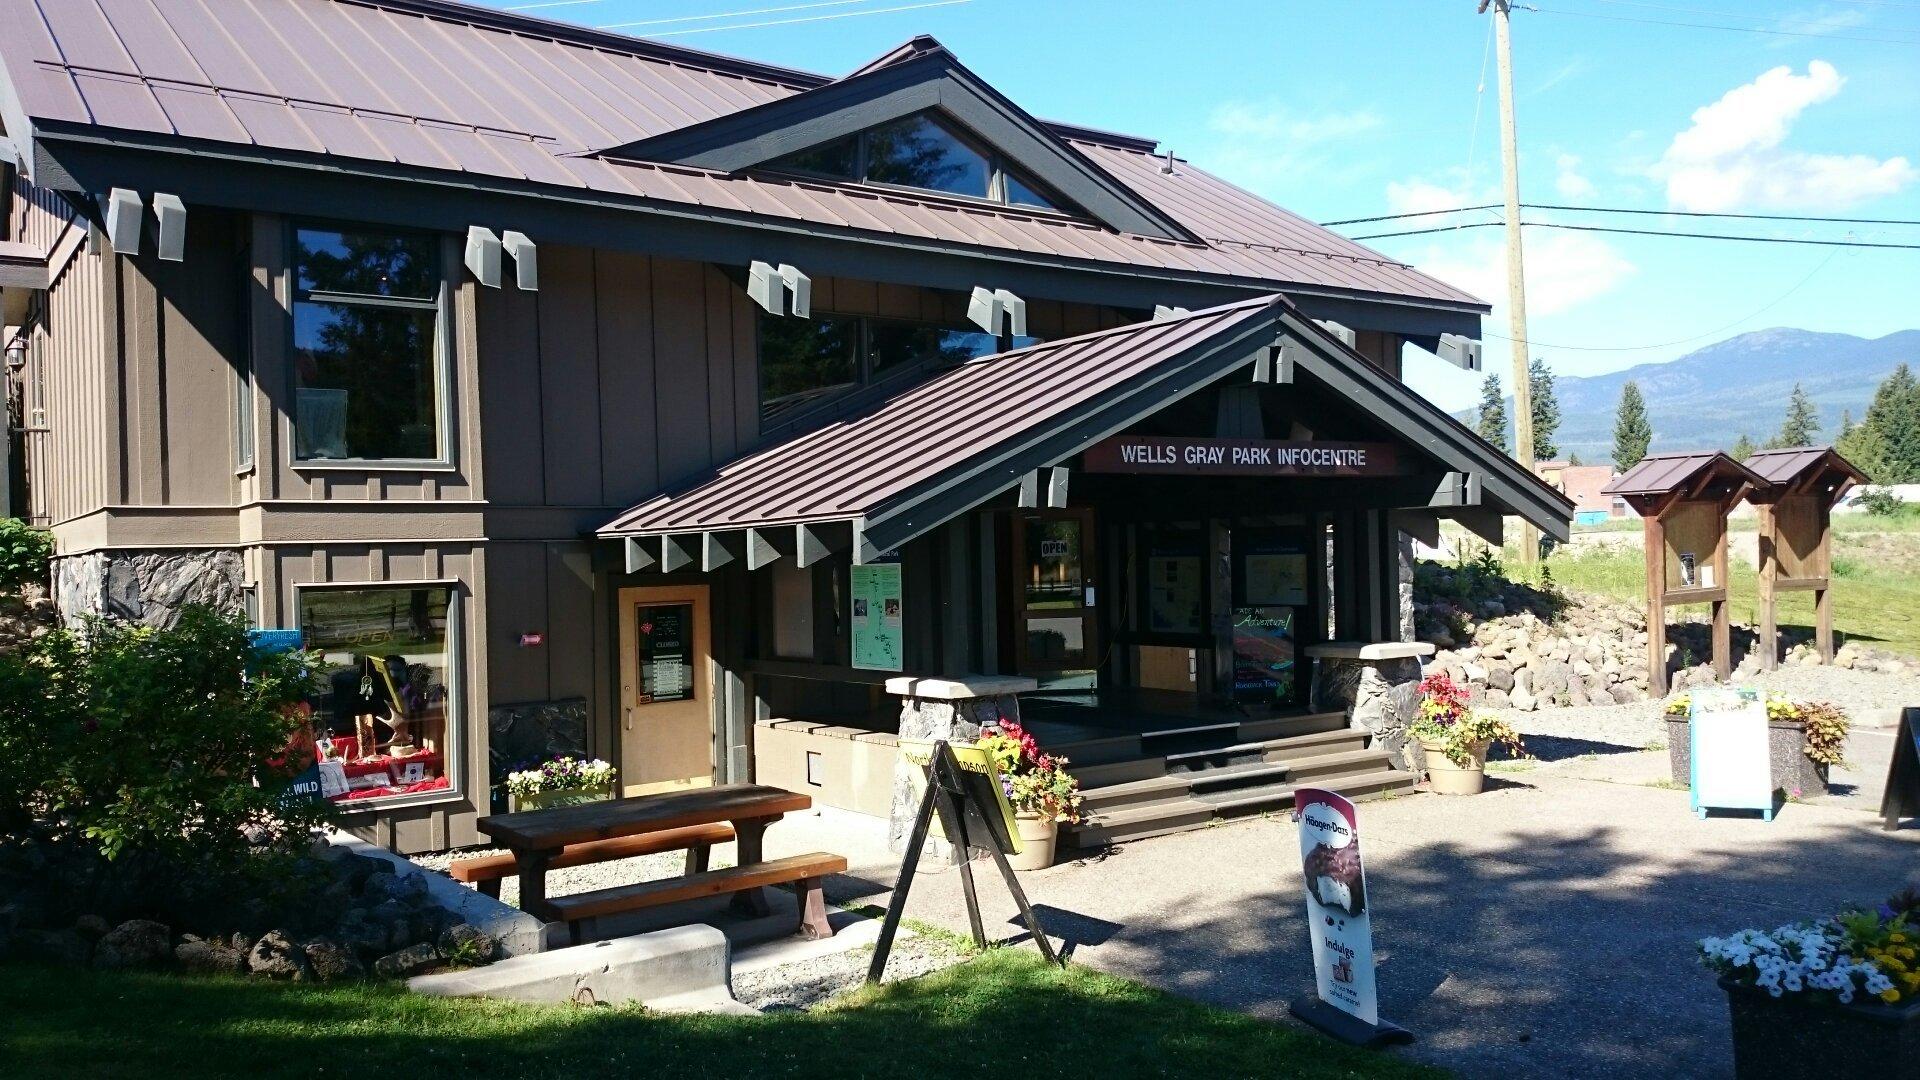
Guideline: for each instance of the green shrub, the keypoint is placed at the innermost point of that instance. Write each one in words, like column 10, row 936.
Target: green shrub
column 24, row 554
column 1882, row 503
column 163, row 746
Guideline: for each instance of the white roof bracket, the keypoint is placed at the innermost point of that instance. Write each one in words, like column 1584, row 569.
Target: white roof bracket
column 483, row 255
column 799, row 288
column 122, row 209
column 526, row 259
column 172, row 215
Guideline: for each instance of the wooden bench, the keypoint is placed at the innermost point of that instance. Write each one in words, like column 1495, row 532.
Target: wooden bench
column 805, row 871
column 486, row 871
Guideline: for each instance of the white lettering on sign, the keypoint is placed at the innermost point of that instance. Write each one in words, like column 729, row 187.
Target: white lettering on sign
column 1242, row 455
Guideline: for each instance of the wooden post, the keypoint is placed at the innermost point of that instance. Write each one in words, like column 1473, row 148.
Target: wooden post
column 1769, row 643
column 1656, row 541
column 1722, row 613
column 1823, row 597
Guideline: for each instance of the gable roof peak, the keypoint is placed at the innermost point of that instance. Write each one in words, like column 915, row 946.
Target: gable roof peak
column 913, row 49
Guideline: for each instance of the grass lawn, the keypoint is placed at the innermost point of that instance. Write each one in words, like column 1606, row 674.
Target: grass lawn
column 1876, row 587
column 1005, row 1013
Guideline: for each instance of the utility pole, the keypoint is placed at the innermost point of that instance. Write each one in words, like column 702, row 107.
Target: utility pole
column 1516, row 273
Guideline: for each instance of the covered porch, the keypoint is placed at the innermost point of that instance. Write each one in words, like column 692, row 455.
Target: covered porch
column 1154, row 524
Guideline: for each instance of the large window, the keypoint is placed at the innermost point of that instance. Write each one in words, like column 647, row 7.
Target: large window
column 366, row 330
column 807, row 362
column 384, row 694
column 920, row 152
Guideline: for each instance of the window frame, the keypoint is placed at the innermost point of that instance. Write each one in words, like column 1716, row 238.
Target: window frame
column 453, row 763
column 864, row 372
column 442, row 358
column 998, row 168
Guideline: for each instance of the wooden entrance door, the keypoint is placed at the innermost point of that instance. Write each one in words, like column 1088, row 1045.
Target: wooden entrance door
column 666, row 689
column 1055, row 633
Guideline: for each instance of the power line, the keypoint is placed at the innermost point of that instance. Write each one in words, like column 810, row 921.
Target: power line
column 1648, row 232
column 1756, row 313
column 1714, row 26
column 1626, row 210
column 721, row 15
column 1756, row 17
column 812, row 18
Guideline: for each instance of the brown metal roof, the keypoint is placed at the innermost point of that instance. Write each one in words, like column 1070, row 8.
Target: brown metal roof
column 1788, row 465
column 437, row 85
column 1658, row 474
column 977, row 411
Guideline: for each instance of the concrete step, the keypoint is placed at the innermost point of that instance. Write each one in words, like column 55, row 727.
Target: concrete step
column 1277, row 749
column 1314, row 770
column 1281, row 727
column 1138, row 822
column 1358, row 787
column 1116, row 772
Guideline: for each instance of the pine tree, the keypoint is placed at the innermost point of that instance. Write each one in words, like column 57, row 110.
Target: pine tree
column 1546, row 410
column 1743, row 448
column 1493, row 412
column 1573, row 461
column 1632, row 434
column 1802, row 425
column 1886, row 443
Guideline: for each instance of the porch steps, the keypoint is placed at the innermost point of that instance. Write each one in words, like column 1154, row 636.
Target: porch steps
column 1195, row 786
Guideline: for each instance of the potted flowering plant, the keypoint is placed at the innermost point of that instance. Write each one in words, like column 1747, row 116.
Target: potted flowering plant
column 1043, row 794
column 1805, row 739
column 563, row 781
column 1454, row 737
column 1833, row 997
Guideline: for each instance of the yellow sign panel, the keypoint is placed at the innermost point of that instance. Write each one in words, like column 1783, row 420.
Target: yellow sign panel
column 979, row 775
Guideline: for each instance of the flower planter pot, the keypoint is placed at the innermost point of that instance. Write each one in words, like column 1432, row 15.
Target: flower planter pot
column 557, row 797
column 1793, row 772
column 1788, row 1038
column 1446, row 778
column 1038, row 837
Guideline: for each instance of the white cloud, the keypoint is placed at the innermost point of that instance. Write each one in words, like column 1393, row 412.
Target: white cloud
column 1569, row 181
column 1423, row 197
column 1272, row 122
column 1733, row 155
column 1564, row 270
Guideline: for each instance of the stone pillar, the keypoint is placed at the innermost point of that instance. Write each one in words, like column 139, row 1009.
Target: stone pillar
column 1404, row 544
column 954, row 709
column 1377, row 686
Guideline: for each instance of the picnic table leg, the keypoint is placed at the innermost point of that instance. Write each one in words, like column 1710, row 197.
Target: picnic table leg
column 697, row 858
column 533, row 881
column 748, row 835
column 812, row 896
column 490, row 887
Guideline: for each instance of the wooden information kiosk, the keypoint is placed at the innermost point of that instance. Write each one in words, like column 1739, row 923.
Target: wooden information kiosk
column 1683, row 500
column 1796, row 536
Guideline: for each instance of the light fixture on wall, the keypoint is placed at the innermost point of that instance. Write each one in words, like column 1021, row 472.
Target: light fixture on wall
column 17, row 352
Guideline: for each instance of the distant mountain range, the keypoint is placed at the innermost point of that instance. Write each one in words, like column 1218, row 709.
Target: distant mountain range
column 1710, row 397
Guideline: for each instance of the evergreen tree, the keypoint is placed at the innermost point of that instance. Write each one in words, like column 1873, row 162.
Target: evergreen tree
column 1493, row 412
column 1632, row 433
column 1802, row 425
column 1546, row 410
column 1743, row 448
column 1573, row 461
column 1846, row 425
column 1892, row 425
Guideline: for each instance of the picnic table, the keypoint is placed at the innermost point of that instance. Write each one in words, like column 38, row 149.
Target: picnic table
column 539, row 838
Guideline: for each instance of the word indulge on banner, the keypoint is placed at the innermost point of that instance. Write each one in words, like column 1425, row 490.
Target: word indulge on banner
column 1336, row 885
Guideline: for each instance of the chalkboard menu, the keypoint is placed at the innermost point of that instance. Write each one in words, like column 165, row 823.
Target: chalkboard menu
column 1902, row 798
column 666, row 652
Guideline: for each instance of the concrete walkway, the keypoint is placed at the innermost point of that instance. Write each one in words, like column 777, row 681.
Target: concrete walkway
column 1544, row 928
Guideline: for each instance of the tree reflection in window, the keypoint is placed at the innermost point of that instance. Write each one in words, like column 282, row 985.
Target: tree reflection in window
column 805, row 363
column 365, row 327
column 918, row 152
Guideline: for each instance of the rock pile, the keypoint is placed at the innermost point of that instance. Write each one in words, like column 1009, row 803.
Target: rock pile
column 25, row 615
column 376, row 922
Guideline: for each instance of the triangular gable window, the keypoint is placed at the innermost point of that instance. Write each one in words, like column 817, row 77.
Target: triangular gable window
column 919, row 152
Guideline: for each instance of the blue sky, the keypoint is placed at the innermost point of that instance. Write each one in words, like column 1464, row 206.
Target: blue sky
column 1342, row 111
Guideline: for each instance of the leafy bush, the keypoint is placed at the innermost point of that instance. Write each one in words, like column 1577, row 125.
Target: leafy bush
column 1879, row 502
column 24, row 554
column 162, row 748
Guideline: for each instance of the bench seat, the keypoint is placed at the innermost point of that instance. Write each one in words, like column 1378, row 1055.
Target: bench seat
column 807, row 870
column 486, row 871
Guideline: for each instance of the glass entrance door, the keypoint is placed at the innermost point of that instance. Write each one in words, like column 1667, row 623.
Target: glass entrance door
column 1055, row 633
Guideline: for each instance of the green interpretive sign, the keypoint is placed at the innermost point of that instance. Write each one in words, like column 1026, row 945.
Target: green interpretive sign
column 876, row 617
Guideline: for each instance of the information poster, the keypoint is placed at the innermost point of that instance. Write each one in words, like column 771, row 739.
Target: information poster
column 876, row 617
column 666, row 652
column 1732, row 769
column 1174, row 587
column 1263, row 654
column 1273, row 574
column 1340, row 926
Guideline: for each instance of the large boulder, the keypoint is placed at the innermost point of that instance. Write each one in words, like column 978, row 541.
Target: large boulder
column 275, row 956
column 331, row 961
column 135, row 943
column 408, row 962
column 465, row 944
column 55, row 948
column 209, row 956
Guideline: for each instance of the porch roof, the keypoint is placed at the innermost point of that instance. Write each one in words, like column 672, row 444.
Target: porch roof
column 972, row 433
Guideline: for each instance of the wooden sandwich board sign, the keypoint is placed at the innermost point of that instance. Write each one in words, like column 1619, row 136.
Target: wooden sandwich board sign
column 1732, row 768
column 1340, row 924
column 963, row 787
column 1902, row 798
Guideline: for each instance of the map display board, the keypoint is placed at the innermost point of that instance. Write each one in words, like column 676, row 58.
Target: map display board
column 876, row 617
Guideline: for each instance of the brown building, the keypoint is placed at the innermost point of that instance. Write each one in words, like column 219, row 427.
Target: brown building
column 572, row 392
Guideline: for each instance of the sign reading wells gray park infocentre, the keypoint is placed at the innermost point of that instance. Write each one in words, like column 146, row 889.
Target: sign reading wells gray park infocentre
column 1337, row 910
column 1183, row 456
